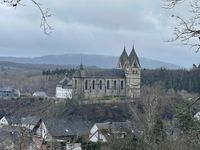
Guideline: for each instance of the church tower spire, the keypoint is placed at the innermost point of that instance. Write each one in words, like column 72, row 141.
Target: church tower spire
column 123, row 60
column 133, row 75
column 133, row 58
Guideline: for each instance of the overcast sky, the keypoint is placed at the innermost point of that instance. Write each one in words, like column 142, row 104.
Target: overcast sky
column 93, row 27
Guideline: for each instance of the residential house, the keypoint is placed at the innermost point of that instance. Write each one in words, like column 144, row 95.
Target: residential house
column 10, row 121
column 9, row 92
column 62, row 130
column 101, row 132
column 29, row 122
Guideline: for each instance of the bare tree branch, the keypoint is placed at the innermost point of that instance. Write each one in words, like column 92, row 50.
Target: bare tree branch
column 187, row 31
column 47, row 28
column 169, row 4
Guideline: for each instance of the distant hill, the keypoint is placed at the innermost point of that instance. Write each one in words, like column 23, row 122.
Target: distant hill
column 6, row 65
column 88, row 60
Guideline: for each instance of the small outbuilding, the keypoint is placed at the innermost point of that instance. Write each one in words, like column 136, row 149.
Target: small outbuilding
column 64, row 89
column 40, row 94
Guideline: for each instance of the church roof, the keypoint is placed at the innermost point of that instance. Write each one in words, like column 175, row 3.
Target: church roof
column 133, row 56
column 124, row 57
column 65, row 82
column 100, row 73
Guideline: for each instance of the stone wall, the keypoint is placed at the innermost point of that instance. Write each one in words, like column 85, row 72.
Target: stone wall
column 97, row 88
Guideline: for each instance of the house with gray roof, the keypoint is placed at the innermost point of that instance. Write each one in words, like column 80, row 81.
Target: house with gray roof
column 124, row 81
column 29, row 122
column 63, row 129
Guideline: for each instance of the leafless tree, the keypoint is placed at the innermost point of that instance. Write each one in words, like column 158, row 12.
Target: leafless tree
column 45, row 13
column 186, row 30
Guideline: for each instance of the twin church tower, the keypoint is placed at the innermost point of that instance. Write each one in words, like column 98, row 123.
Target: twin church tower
column 124, row 81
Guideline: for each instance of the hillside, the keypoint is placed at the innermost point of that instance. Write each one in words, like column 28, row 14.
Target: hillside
column 88, row 60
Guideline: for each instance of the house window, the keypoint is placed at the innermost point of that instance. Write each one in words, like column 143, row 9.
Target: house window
column 115, row 84
column 76, row 84
column 108, row 84
column 100, row 84
column 93, row 84
column 122, row 84
column 86, row 84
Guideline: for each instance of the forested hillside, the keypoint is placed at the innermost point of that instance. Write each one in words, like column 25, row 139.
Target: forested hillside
column 188, row 80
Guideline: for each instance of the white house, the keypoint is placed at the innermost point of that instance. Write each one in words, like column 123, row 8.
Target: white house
column 40, row 94
column 101, row 132
column 197, row 116
column 64, row 88
column 96, row 135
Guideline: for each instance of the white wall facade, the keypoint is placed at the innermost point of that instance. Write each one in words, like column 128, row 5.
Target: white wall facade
column 3, row 122
column 73, row 146
column 96, row 135
column 63, row 93
column 197, row 116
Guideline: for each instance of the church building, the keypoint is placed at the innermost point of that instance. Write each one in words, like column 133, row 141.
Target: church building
column 124, row 81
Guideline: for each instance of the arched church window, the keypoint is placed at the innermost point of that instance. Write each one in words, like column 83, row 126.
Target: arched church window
column 115, row 84
column 100, row 84
column 86, row 84
column 76, row 84
column 122, row 84
column 108, row 84
column 93, row 84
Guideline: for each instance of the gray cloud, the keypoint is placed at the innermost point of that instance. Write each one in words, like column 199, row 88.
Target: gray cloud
column 96, row 27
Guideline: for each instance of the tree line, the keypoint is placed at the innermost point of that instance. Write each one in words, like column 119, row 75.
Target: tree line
column 180, row 79
column 68, row 72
